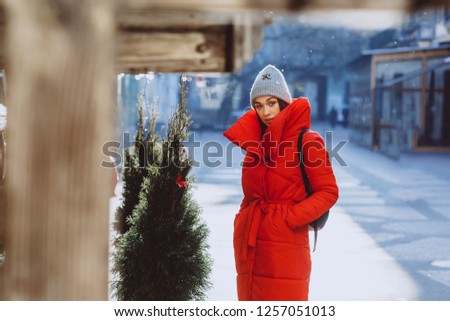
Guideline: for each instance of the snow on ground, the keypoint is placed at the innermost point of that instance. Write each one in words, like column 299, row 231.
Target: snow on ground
column 349, row 265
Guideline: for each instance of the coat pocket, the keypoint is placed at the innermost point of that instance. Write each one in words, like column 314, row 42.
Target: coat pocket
column 288, row 216
column 291, row 218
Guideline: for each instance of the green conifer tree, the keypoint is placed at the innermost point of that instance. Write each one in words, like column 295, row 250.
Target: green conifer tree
column 163, row 255
column 134, row 170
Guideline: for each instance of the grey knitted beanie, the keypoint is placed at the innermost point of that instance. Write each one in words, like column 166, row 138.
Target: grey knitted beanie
column 270, row 82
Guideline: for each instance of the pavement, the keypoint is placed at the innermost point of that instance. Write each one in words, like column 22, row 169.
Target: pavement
column 387, row 238
column 404, row 206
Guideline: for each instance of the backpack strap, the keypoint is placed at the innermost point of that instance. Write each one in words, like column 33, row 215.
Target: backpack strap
column 302, row 164
column 306, row 179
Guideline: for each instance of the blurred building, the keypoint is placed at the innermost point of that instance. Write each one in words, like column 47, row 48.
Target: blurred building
column 404, row 105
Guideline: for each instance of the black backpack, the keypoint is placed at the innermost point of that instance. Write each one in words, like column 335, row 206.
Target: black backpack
column 320, row 222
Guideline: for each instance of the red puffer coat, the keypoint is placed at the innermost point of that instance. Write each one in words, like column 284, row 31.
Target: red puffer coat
column 271, row 241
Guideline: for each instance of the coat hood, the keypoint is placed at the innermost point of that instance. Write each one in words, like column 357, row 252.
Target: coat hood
column 246, row 131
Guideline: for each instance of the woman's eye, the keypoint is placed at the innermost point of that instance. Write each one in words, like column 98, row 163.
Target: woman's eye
column 258, row 107
column 271, row 103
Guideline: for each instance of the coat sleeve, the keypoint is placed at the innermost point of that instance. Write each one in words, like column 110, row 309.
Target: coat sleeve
column 322, row 180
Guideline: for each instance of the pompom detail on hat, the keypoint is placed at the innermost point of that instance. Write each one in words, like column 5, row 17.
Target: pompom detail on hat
column 270, row 82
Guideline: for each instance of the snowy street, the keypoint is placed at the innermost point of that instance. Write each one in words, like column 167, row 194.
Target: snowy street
column 388, row 237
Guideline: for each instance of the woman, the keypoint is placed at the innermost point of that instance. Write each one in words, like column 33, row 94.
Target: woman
column 271, row 241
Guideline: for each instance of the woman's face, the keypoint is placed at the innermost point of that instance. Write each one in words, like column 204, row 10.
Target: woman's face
column 267, row 108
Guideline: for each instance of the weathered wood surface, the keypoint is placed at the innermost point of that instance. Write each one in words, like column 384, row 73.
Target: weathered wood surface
column 172, row 51
column 61, row 107
column 280, row 5
column 179, row 41
column 2, row 219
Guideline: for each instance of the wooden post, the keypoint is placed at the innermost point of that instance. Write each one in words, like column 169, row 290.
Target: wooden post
column 60, row 112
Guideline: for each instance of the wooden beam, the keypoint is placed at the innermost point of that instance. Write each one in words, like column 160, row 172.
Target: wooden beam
column 147, row 19
column 280, row 6
column 60, row 113
column 2, row 35
column 171, row 51
column 212, row 5
column 186, row 41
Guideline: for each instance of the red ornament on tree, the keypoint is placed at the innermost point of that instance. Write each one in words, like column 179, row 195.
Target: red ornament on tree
column 181, row 183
